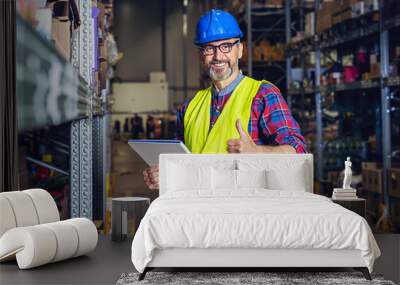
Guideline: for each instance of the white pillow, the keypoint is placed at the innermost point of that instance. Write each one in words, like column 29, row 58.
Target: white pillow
column 251, row 178
column 281, row 174
column 223, row 179
column 183, row 177
column 279, row 180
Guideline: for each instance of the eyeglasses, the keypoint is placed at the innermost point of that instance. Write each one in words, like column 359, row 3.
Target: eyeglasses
column 224, row 48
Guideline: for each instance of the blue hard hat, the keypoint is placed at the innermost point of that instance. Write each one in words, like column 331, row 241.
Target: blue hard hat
column 216, row 25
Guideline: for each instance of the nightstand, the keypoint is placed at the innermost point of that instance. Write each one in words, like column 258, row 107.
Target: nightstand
column 357, row 205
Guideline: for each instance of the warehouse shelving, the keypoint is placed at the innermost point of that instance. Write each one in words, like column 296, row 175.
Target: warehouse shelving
column 266, row 22
column 331, row 39
column 62, row 101
column 357, row 85
column 362, row 30
column 37, row 61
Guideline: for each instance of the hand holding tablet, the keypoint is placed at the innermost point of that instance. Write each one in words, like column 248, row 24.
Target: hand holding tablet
column 149, row 150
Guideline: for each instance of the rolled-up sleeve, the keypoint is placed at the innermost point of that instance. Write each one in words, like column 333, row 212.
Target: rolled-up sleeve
column 278, row 123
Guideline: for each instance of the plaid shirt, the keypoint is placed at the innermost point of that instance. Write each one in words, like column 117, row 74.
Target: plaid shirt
column 271, row 122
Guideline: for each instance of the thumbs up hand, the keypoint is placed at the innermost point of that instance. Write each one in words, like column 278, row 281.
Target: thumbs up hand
column 244, row 144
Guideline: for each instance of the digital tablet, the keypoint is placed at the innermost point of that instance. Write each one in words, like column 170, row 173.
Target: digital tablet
column 149, row 150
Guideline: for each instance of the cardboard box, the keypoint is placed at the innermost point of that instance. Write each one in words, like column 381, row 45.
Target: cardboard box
column 346, row 14
column 343, row 15
column 324, row 16
column 324, row 24
column 375, row 70
column 103, row 52
column 101, row 17
column 343, row 10
column 394, row 182
column 345, row 4
column 336, row 18
column 373, row 58
column 257, row 53
column 61, row 35
column 96, row 84
column 272, row 3
column 103, row 74
column 369, row 165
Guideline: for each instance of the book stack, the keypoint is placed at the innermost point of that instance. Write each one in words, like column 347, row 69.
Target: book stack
column 344, row 194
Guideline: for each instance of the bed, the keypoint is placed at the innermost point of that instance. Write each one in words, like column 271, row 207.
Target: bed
column 245, row 211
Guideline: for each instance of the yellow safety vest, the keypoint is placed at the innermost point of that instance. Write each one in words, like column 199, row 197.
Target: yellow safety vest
column 197, row 134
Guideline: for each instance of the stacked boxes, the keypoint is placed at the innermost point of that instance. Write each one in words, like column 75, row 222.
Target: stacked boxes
column 61, row 34
column 333, row 12
column 342, row 10
column 375, row 67
column 53, row 24
column 263, row 51
column 103, row 65
column 324, row 16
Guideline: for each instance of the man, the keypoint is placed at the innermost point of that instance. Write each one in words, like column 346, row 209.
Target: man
column 255, row 119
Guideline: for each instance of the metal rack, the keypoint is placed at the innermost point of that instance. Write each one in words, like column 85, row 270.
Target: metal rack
column 357, row 85
column 51, row 91
column 272, row 30
column 60, row 94
column 319, row 44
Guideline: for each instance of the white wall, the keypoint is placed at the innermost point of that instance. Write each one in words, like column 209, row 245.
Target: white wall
column 132, row 98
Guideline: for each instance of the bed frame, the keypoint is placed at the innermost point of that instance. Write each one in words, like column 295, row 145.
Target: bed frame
column 248, row 259
column 244, row 259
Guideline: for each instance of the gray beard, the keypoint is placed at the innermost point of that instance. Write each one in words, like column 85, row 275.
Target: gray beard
column 220, row 77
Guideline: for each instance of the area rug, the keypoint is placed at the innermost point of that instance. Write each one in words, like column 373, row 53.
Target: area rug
column 242, row 278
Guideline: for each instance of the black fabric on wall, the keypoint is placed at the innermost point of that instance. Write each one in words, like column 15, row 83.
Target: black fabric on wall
column 8, row 102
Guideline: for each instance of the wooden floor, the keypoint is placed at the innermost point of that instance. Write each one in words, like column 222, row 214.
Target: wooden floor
column 110, row 259
column 102, row 266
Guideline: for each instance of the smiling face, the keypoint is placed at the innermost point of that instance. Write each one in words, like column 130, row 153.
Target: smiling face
column 220, row 59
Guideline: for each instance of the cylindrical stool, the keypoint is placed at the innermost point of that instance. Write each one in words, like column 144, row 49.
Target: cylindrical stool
column 127, row 212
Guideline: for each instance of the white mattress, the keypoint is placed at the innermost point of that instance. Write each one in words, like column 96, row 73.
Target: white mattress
column 252, row 218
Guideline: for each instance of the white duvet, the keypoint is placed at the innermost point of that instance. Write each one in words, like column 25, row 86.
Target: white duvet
column 250, row 218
